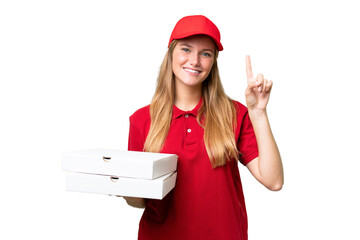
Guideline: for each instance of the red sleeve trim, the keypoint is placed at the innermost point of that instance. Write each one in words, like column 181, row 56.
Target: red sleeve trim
column 245, row 160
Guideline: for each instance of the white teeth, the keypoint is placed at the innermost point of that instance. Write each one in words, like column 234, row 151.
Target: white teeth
column 190, row 70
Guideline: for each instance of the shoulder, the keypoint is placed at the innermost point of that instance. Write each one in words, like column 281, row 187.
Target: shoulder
column 141, row 117
column 241, row 109
column 138, row 129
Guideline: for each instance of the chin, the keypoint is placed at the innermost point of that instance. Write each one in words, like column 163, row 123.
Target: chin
column 191, row 82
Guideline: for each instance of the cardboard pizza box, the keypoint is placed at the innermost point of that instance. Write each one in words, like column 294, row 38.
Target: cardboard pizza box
column 144, row 165
column 132, row 187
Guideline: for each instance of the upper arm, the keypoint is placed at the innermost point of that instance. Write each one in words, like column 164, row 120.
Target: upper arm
column 135, row 141
column 245, row 136
column 138, row 128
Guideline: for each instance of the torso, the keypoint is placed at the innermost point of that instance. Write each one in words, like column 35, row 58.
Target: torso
column 206, row 203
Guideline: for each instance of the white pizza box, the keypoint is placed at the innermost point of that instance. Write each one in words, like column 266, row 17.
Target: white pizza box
column 130, row 187
column 113, row 162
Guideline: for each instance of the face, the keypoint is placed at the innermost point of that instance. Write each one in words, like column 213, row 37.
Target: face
column 193, row 58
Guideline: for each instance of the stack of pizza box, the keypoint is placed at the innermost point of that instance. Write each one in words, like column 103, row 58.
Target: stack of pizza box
column 121, row 173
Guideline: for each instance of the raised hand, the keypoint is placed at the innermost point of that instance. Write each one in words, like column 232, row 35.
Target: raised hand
column 258, row 90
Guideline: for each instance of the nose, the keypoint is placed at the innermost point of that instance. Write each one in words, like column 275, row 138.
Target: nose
column 194, row 59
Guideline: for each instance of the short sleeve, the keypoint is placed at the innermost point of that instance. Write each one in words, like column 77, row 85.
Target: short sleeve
column 138, row 129
column 136, row 141
column 247, row 144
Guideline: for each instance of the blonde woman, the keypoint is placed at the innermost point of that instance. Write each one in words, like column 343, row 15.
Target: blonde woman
column 191, row 116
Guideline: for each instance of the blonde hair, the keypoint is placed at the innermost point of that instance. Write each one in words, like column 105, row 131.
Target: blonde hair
column 217, row 115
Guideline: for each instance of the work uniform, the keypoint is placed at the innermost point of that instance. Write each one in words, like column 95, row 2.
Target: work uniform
column 207, row 203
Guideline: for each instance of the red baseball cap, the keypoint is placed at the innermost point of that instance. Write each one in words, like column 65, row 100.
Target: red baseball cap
column 194, row 25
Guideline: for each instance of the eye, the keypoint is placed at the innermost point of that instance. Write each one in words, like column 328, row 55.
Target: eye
column 205, row 54
column 185, row 49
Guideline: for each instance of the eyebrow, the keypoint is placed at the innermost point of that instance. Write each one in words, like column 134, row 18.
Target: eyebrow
column 188, row 45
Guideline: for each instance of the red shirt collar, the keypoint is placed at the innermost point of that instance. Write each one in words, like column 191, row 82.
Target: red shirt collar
column 178, row 112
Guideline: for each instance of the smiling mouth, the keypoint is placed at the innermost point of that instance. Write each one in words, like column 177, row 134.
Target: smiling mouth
column 192, row 70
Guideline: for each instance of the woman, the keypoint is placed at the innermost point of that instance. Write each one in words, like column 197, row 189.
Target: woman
column 191, row 116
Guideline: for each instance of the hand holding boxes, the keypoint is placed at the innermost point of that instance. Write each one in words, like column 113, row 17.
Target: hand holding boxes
column 124, row 173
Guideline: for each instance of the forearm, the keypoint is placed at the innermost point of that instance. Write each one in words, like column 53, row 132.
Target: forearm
column 270, row 167
column 135, row 202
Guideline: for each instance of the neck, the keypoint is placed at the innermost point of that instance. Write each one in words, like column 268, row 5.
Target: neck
column 186, row 98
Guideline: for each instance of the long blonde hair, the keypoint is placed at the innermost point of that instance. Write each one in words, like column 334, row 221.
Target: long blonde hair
column 217, row 115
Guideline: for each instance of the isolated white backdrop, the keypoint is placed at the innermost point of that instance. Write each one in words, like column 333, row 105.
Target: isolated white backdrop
column 73, row 71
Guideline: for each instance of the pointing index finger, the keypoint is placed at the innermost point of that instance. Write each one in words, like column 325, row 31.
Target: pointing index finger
column 249, row 72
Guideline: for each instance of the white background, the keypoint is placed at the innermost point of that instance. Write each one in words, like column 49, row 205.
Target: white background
column 73, row 71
